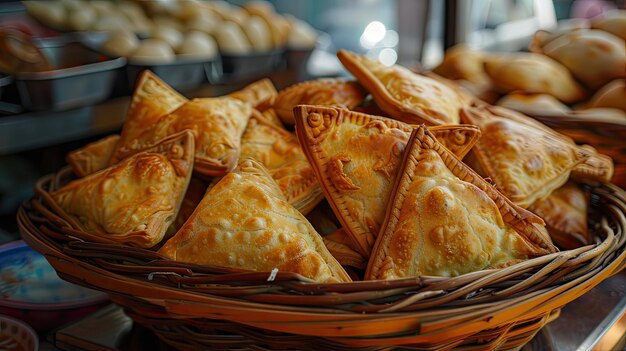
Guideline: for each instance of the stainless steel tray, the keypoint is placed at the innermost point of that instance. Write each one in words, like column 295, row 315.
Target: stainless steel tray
column 81, row 77
column 246, row 67
column 182, row 75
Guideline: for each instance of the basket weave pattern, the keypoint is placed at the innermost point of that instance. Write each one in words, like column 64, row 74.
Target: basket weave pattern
column 195, row 307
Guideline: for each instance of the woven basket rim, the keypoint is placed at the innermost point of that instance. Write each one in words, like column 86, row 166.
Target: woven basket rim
column 363, row 313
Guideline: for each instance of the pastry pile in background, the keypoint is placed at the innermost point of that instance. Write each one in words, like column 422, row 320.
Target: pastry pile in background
column 389, row 175
column 579, row 68
column 162, row 31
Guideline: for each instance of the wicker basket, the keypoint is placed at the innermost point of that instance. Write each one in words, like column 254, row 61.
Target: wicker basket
column 200, row 307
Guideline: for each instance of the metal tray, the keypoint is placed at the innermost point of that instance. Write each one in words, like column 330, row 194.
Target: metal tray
column 4, row 81
column 182, row 75
column 245, row 67
column 82, row 77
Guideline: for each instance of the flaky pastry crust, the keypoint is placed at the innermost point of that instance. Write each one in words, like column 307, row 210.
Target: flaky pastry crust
column 244, row 222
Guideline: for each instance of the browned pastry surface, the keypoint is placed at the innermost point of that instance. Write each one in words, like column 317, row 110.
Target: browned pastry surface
column 93, row 156
column 355, row 157
column 152, row 99
column 532, row 74
column 257, row 93
column 280, row 152
column 134, row 201
column 526, row 159
column 444, row 219
column 597, row 168
column 217, row 124
column 325, row 91
column 565, row 214
column 342, row 248
column 244, row 222
column 405, row 95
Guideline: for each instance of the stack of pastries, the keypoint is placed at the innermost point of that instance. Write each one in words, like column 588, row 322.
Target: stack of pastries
column 393, row 174
column 579, row 70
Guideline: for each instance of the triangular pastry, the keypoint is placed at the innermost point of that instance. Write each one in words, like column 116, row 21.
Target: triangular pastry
column 565, row 214
column 324, row 91
column 404, row 95
column 445, row 220
column 342, row 248
column 257, row 93
column 281, row 154
column 134, row 201
column 152, row 99
column 217, row 124
column 355, row 157
column 244, row 222
column 93, row 156
column 597, row 168
column 526, row 159
column 271, row 116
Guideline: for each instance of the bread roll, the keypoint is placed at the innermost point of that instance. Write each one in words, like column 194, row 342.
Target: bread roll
column 120, row 43
column 82, row 18
column 169, row 35
column 153, row 51
column 198, row 45
column 258, row 33
column 51, row 14
column 302, row 36
column 232, row 40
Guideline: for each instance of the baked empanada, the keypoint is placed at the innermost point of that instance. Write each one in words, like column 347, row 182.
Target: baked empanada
column 152, row 99
column 93, row 156
column 594, row 57
column 342, row 248
column 462, row 63
column 355, row 157
column 533, row 104
column 596, row 168
column 532, row 74
column 271, row 116
column 445, row 220
column 217, row 124
column 565, row 214
column 280, row 153
column 134, row 201
column 526, row 159
column 612, row 95
column 256, row 94
column 613, row 22
column 325, row 91
column 405, row 95
column 244, row 222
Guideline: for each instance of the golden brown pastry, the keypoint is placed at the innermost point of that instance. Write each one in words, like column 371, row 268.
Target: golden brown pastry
column 445, row 220
column 461, row 62
column 194, row 194
column 565, row 214
column 217, row 124
column 405, row 95
column 152, row 99
column 93, row 156
column 533, row 104
column 325, row 91
column 597, row 168
column 594, row 57
column 271, row 116
column 612, row 95
column 355, row 157
column 532, row 74
column 342, row 248
column 526, row 159
column 134, row 201
column 459, row 138
column 280, row 153
column 256, row 93
column 244, row 222
column 613, row 22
